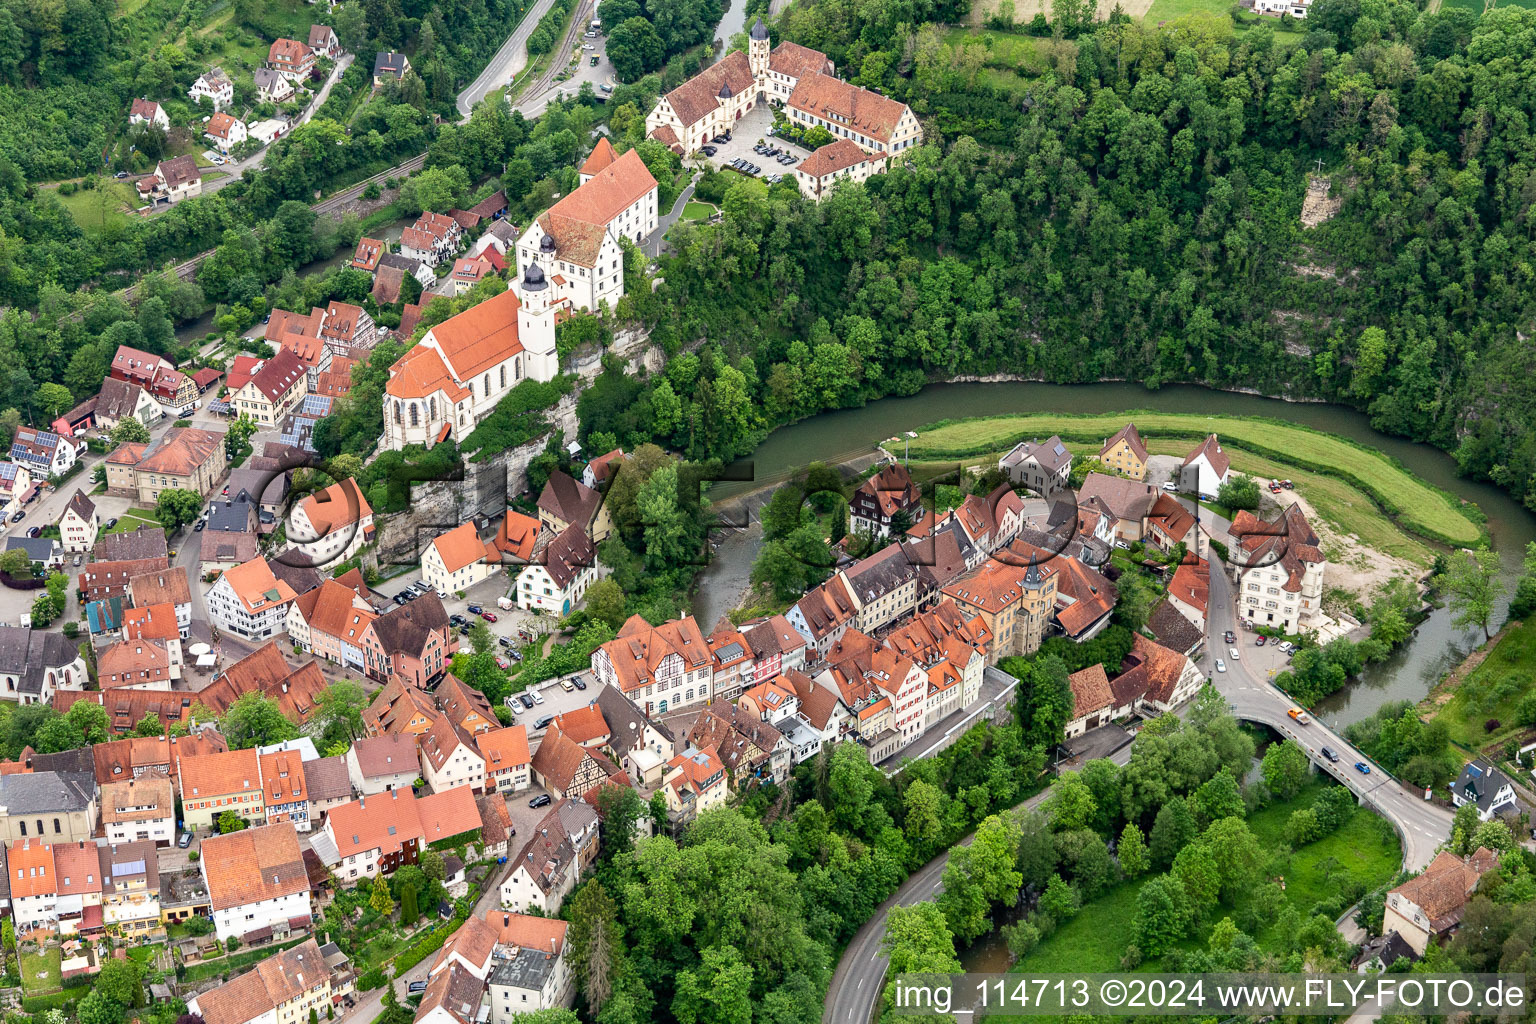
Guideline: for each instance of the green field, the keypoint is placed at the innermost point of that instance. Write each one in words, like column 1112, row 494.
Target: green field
column 1363, row 850
column 133, row 519
column 1414, row 504
column 1490, row 692
column 41, row 972
column 695, row 210
column 108, row 206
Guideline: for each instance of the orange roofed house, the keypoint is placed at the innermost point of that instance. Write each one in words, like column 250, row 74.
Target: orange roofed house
column 250, row 601
column 214, row 783
column 454, row 377
column 576, row 242
column 256, row 883
column 376, row 834
column 659, row 668
column 330, row 526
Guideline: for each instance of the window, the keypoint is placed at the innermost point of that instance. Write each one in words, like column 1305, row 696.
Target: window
column 415, row 419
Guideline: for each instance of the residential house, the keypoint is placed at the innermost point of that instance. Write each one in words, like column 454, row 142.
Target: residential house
column 575, row 243
column 216, row 86
column 183, row 458
column 952, row 648
column 820, row 717
column 366, row 256
column 465, row 706
column 136, row 665
column 1126, row 502
column 1044, row 467
column 36, row 663
column 175, row 179
column 560, row 573
column 496, row 830
column 566, row 769
column 155, row 624
column 256, row 881
column 329, row 622
column 347, row 327
column 752, row 750
column 42, row 551
column 284, row 988
column 432, row 239
column 388, row 66
column 1278, row 568
column 1189, row 591
column 600, row 470
column 452, row 996
column 33, row 885
column 77, row 872
column 139, row 810
column 130, row 888
column 642, row 746
column 119, row 400
column 326, row 784
column 1093, row 702
column 57, row 806
column 379, row 764
column 272, row 86
column 43, row 452
column 508, row 764
column 885, row 586
column 457, row 560
column 695, row 782
column 876, row 123
column 823, row 616
column 410, row 642
column 733, row 666
column 265, row 671
column 212, row 784
column 291, row 59
column 1014, row 603
column 467, row 272
column 566, row 502
column 1126, row 453
column 518, row 539
column 1170, row 628
column 533, row 973
column 283, row 789
column 469, row 948
column 450, row 757
column 885, row 692
column 1205, row 469
column 888, row 498
column 275, row 389
column 1170, row 524
column 331, row 525
column 79, row 524
column 144, row 111
column 461, row 369
column 1483, row 785
column 249, row 601
column 658, row 667
column 225, row 132
column 1431, row 904
column 553, row 860
column 221, row 552
column 15, row 486
column 372, row 835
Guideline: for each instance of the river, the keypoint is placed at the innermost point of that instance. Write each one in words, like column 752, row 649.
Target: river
column 835, row 436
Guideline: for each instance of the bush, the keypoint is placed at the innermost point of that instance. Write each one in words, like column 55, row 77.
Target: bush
column 1491, row 725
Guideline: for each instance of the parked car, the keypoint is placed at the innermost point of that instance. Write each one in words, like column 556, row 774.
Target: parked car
column 421, row 586
column 1235, row 656
column 113, row 521
column 543, row 721
column 505, row 641
column 1170, row 486
column 502, row 663
column 605, row 87
column 1329, row 754
column 538, row 698
column 1260, row 641
column 19, row 516
column 79, row 559
column 416, row 986
column 488, row 616
column 593, row 61
column 401, row 599
column 514, row 654
column 185, row 840
column 36, row 531
column 565, row 684
column 198, row 528
column 589, row 46
column 1221, row 666
column 1362, row 768
column 526, row 700
column 708, row 150
column 456, row 619
column 474, row 609
column 1229, row 636
column 577, row 682
column 542, row 800
column 120, row 175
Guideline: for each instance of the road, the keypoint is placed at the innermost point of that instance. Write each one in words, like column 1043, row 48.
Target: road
column 1422, row 825
column 860, row 975
column 508, row 61
column 653, row 242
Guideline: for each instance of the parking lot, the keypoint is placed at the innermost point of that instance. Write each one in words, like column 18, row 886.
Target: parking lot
column 748, row 132
column 557, row 701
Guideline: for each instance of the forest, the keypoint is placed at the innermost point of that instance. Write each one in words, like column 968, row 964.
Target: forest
column 1136, row 214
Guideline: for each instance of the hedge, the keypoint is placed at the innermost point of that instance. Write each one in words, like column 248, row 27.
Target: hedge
column 54, row 1000
column 462, row 839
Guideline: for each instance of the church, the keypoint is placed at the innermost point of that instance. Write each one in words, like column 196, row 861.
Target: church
column 452, row 379
column 801, row 80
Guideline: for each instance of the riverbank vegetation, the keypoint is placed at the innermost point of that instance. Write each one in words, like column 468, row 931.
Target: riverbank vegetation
column 1493, row 702
column 1408, row 500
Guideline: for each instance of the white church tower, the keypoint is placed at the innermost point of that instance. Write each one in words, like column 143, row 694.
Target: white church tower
column 536, row 325
column 757, row 53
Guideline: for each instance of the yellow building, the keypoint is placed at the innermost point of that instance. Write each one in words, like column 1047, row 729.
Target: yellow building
column 1125, row 453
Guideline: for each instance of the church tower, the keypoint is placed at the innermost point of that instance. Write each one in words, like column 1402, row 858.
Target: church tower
column 757, row 53
column 536, row 324
column 1038, row 599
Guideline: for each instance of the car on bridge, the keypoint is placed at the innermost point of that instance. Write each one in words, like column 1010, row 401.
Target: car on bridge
column 1329, row 754
column 1362, row 768
column 1301, row 717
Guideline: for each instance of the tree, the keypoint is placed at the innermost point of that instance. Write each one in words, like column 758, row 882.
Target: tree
column 341, row 705
column 596, row 943
column 255, row 720
column 1472, row 580
column 1239, row 492
column 93, row 721
column 717, row 992
column 1218, row 797
column 55, row 398
column 1072, row 805
column 129, row 430
column 380, row 899
column 1132, row 851
column 229, row 822
column 605, row 601
column 980, row 875
column 918, row 941
column 1059, row 900
column 119, row 981
column 16, row 563
column 433, row 868
column 177, row 506
column 239, row 434
column 1285, row 767
column 1160, row 916
column 619, row 808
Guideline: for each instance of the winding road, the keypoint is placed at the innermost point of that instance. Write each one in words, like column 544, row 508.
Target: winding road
column 855, row 989
column 508, row 61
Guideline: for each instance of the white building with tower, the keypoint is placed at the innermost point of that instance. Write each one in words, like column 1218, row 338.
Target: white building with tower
column 576, row 241
column 452, row 379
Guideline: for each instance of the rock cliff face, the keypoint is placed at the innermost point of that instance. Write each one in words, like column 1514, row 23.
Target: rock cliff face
column 481, row 494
